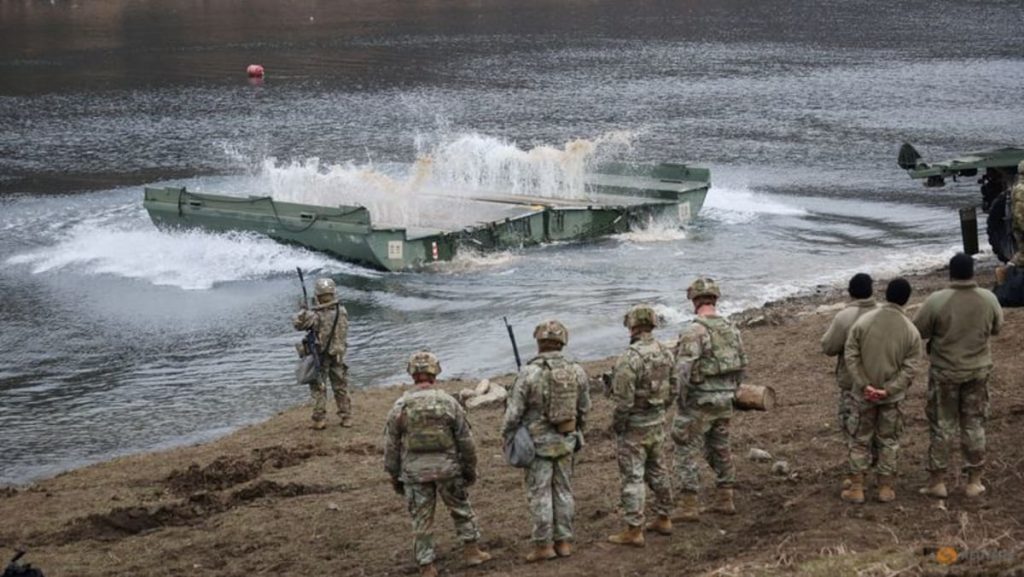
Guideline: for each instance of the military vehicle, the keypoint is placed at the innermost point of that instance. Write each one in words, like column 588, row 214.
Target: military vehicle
column 617, row 198
column 996, row 169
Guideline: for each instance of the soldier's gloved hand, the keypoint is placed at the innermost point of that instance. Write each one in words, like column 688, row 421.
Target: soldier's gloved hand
column 398, row 486
column 469, row 476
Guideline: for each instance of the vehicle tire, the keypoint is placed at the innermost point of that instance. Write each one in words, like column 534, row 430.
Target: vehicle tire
column 1000, row 228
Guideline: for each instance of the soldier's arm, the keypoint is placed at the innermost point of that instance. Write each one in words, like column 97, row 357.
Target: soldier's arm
column 851, row 353
column 623, row 391
column 393, row 442
column 925, row 319
column 341, row 331
column 583, row 399
column 673, row 383
column 910, row 366
column 997, row 321
column 464, row 440
column 304, row 320
column 834, row 339
column 516, row 405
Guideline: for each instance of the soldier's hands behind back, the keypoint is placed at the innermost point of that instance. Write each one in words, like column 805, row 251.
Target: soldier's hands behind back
column 469, row 476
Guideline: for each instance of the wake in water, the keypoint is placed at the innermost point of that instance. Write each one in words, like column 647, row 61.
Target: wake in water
column 740, row 205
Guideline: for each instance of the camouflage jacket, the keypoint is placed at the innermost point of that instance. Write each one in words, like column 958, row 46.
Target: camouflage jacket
column 1018, row 208
column 321, row 318
column 526, row 402
column 709, row 361
column 448, row 426
column 834, row 339
column 883, row 350
column 958, row 322
column 638, row 404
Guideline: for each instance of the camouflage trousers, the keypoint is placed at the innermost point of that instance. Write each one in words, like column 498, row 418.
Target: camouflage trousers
column 334, row 374
column 847, row 404
column 952, row 403
column 703, row 428
column 422, row 500
column 552, row 505
column 874, row 436
column 641, row 459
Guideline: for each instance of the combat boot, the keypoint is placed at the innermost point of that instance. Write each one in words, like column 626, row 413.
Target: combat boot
column 632, row 535
column 541, row 553
column 723, row 501
column 886, row 494
column 662, row 525
column 936, row 485
column 318, row 425
column 472, row 555
column 563, row 548
column 689, row 510
column 428, row 570
column 974, row 487
column 346, row 421
column 855, row 493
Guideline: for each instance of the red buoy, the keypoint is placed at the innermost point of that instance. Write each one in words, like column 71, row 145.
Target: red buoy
column 254, row 71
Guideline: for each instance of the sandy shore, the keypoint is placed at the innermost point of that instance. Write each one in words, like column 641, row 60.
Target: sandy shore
column 279, row 499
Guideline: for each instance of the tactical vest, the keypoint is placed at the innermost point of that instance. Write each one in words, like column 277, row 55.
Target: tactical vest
column 726, row 354
column 562, row 394
column 427, row 424
column 653, row 388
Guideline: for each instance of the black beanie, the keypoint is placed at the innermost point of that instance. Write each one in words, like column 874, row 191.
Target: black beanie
column 898, row 291
column 961, row 267
column 860, row 286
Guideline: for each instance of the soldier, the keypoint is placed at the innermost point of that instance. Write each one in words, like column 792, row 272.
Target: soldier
column 330, row 321
column 834, row 340
column 883, row 353
column 551, row 398
column 710, row 362
column 429, row 450
column 643, row 387
column 957, row 322
column 1018, row 215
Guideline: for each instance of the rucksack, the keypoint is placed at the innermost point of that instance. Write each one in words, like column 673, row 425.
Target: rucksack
column 563, row 391
column 427, row 424
column 726, row 354
column 654, row 388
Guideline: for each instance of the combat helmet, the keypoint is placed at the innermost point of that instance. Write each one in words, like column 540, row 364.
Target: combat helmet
column 424, row 362
column 551, row 331
column 640, row 315
column 324, row 286
column 703, row 287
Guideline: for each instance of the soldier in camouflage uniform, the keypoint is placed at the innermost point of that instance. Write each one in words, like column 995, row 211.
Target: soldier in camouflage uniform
column 883, row 354
column 643, row 387
column 551, row 398
column 330, row 321
column 429, row 451
column 1018, row 215
column 834, row 340
column 958, row 322
column 710, row 362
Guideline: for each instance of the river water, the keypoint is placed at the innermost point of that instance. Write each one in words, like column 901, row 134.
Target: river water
column 116, row 337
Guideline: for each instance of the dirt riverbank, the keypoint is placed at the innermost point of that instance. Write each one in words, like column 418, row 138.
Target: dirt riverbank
column 279, row 499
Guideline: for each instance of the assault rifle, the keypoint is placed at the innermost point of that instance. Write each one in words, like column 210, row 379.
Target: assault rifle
column 309, row 344
column 15, row 569
column 515, row 349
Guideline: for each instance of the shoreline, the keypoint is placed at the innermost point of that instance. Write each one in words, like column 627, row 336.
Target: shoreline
column 277, row 497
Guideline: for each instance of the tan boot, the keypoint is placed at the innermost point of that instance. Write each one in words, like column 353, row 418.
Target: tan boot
column 563, row 548
column 472, row 555
column 936, row 485
column 662, row 525
column 319, row 425
column 846, row 483
column 346, row 421
column 689, row 509
column 723, row 501
column 428, row 570
column 541, row 553
column 632, row 535
column 886, row 493
column 855, row 493
column 974, row 488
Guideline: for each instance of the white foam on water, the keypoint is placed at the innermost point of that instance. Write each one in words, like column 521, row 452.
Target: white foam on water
column 468, row 259
column 660, row 230
column 740, row 205
column 449, row 170
column 190, row 260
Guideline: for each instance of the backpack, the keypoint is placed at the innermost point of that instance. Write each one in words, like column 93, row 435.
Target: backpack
column 654, row 388
column 562, row 394
column 726, row 354
column 427, row 424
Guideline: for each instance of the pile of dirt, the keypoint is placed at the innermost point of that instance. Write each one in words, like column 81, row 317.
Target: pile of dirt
column 228, row 471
